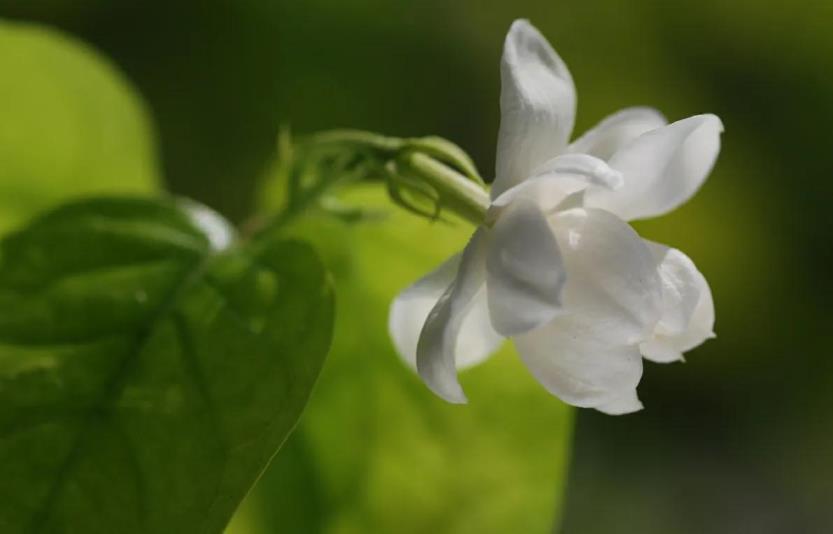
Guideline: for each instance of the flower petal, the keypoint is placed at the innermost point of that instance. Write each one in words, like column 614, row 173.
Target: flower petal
column 612, row 278
column 441, row 335
column 558, row 178
column 628, row 402
column 537, row 105
column 578, row 361
column 662, row 168
column 616, row 131
column 477, row 339
column 411, row 307
column 687, row 308
column 582, row 167
column 524, row 271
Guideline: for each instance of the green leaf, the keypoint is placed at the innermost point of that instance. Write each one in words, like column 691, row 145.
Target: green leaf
column 147, row 376
column 380, row 452
column 71, row 125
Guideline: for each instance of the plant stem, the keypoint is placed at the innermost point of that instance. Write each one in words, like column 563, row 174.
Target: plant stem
column 464, row 196
column 434, row 162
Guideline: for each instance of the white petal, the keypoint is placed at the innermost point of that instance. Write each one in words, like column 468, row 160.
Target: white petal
column 578, row 361
column 682, row 285
column 687, row 308
column 583, row 167
column 443, row 328
column 525, row 273
column 556, row 179
column 477, row 339
column 617, row 130
column 537, row 105
column 701, row 327
column 611, row 275
column 411, row 307
column 662, row 168
column 660, row 351
column 628, row 402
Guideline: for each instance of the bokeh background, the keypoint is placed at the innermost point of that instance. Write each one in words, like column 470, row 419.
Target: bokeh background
column 737, row 439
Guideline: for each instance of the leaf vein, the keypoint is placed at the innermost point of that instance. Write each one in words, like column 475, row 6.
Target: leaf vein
column 111, row 390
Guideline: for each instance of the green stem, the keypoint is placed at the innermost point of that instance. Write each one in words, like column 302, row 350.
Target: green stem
column 358, row 138
column 431, row 161
column 464, row 196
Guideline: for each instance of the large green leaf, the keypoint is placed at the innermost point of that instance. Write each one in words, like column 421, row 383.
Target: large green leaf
column 377, row 451
column 147, row 375
column 71, row 125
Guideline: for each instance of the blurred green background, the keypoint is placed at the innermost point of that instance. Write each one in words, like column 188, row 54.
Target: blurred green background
column 738, row 439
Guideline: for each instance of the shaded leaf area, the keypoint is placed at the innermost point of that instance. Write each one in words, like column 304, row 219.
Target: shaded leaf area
column 376, row 450
column 72, row 125
column 146, row 379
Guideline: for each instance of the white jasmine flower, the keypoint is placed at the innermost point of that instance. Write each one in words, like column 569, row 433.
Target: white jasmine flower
column 555, row 266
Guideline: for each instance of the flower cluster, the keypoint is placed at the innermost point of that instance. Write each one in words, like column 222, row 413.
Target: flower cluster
column 554, row 265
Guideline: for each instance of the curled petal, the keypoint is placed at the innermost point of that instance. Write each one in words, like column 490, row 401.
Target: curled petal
column 555, row 180
column 578, row 361
column 411, row 307
column 537, row 105
column 446, row 326
column 612, row 278
column 663, row 168
column 583, row 168
column 477, row 339
column 687, row 317
column 524, row 271
column 409, row 311
column 682, row 286
column 701, row 326
column 616, row 131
